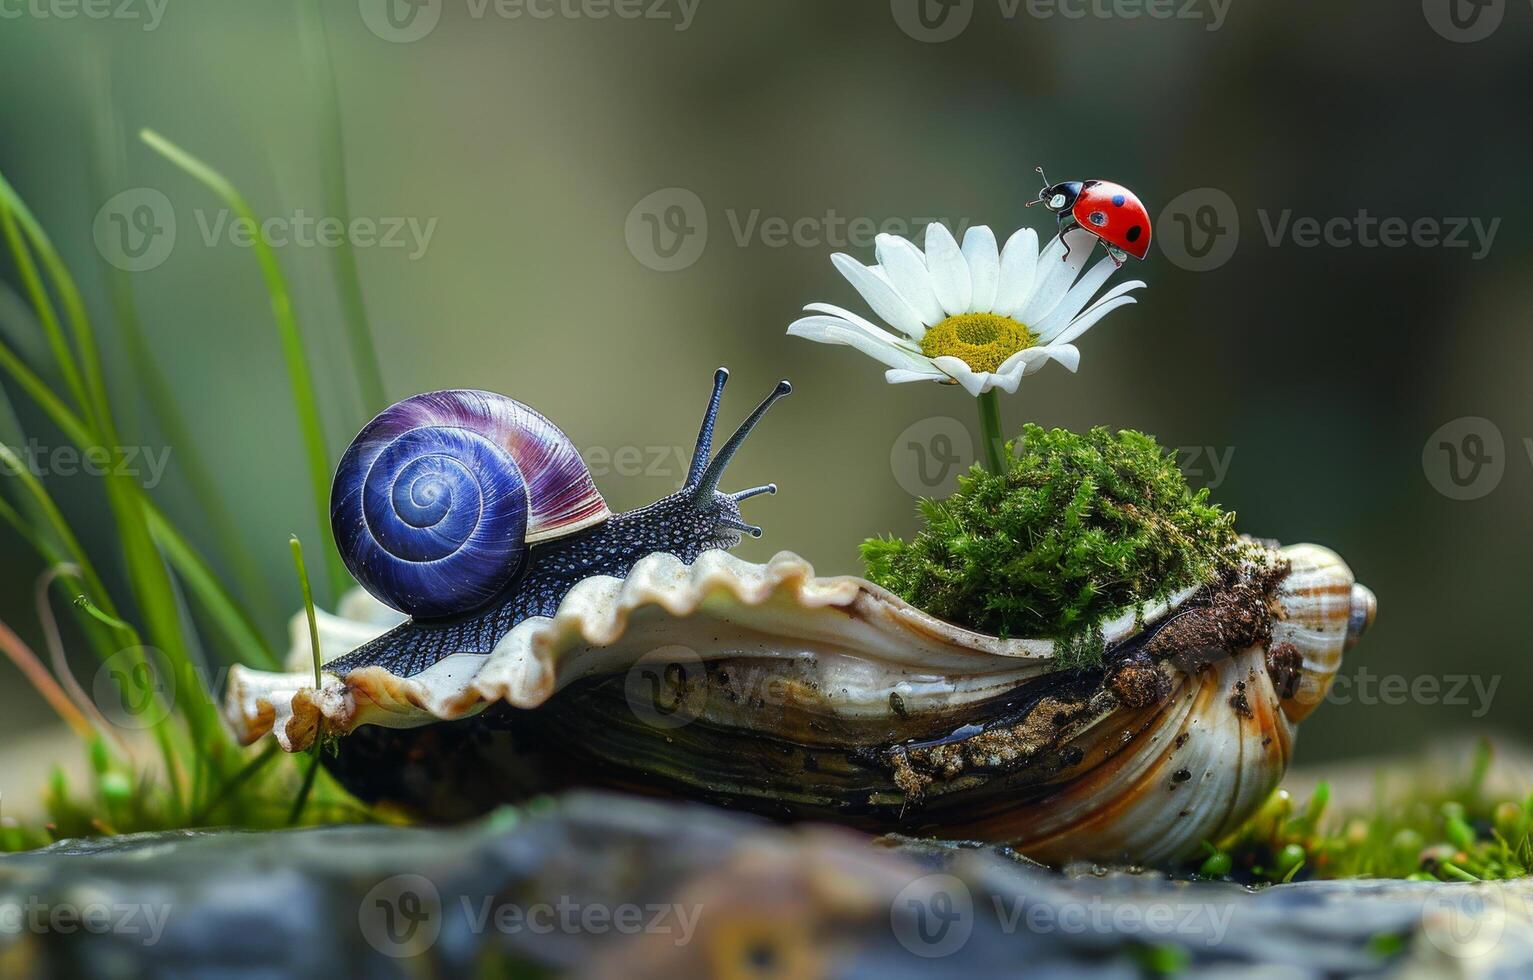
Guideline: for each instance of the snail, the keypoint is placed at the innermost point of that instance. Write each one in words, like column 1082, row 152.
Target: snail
column 632, row 651
column 469, row 512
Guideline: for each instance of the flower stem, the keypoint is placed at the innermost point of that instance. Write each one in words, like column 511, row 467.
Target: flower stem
column 990, row 431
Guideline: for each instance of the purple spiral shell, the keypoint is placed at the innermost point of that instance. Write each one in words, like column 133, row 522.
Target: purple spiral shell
column 438, row 498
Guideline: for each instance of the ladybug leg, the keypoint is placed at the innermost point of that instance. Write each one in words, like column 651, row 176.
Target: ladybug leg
column 1117, row 255
column 1067, row 224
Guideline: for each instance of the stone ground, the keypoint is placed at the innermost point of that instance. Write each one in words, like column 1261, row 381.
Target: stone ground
column 608, row 886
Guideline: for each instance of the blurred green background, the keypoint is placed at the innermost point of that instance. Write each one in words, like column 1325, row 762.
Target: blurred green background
column 618, row 204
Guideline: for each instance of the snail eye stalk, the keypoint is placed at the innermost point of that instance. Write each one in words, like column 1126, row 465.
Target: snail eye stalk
column 705, row 434
column 740, row 495
column 703, row 480
column 740, row 525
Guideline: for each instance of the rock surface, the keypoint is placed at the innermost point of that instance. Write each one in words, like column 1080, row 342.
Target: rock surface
column 601, row 885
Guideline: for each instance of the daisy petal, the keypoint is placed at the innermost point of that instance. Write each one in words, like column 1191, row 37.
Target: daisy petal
column 1091, row 317
column 984, row 259
column 834, row 330
column 1007, row 382
column 975, row 383
column 866, row 325
column 1068, row 356
column 905, row 268
column 949, row 270
column 1019, row 264
column 897, row 376
column 1055, row 275
column 1055, row 329
column 880, row 296
column 1021, row 359
column 1074, row 301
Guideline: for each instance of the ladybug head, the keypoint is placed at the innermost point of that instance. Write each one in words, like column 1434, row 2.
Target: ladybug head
column 1059, row 198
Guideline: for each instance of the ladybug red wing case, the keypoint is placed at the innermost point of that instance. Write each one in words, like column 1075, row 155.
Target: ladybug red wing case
column 1114, row 214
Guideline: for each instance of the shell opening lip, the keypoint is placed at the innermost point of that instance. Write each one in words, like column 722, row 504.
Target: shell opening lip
column 1365, row 606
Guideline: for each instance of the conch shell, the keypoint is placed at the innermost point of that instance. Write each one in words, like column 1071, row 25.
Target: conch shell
column 764, row 687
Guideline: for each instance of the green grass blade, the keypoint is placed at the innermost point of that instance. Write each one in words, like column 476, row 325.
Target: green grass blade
column 227, row 791
column 237, row 625
column 319, row 741
column 27, row 533
column 89, row 367
column 126, row 639
column 232, row 621
column 38, row 390
column 308, row 605
column 38, row 295
column 300, row 378
column 337, row 204
column 106, row 176
column 147, row 574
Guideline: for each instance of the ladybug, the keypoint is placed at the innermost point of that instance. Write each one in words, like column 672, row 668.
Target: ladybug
column 1109, row 211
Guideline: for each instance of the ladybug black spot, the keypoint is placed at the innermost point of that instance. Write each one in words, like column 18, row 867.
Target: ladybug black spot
column 1134, row 233
column 1118, row 200
column 1098, row 218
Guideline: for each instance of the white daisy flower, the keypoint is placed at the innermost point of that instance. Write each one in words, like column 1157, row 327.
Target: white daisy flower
column 975, row 315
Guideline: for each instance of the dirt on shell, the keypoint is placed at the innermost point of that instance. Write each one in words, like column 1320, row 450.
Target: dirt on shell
column 1229, row 616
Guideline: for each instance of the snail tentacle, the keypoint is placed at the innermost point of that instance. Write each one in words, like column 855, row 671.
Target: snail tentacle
column 708, row 482
column 705, row 434
column 740, row 495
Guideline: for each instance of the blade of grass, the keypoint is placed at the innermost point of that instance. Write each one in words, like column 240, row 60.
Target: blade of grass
column 107, row 141
column 237, row 626
column 227, row 791
column 37, row 675
column 319, row 740
column 46, row 315
column 337, row 204
column 300, row 379
column 147, row 571
column 38, row 390
column 18, row 523
column 308, row 603
column 232, row 621
column 53, row 639
column 95, row 404
column 126, row 639
column 147, row 574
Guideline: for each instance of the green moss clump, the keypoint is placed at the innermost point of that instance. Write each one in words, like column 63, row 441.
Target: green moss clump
column 1080, row 528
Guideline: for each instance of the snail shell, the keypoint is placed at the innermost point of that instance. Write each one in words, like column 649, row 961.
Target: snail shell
column 438, row 498
column 766, row 688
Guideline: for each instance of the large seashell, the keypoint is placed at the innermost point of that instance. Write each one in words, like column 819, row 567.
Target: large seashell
column 767, row 688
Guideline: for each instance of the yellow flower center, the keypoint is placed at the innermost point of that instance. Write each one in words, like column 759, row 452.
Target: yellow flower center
column 981, row 340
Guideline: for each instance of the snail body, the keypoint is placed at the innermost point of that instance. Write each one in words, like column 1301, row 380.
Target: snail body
column 469, row 512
